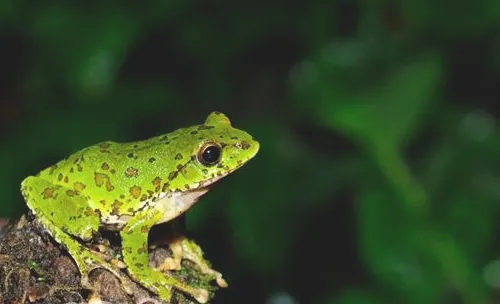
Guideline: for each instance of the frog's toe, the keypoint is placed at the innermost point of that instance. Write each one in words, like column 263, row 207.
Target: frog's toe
column 170, row 264
column 220, row 281
column 217, row 275
column 205, row 269
column 201, row 296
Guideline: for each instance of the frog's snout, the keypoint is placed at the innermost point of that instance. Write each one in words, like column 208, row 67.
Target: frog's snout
column 256, row 147
column 252, row 147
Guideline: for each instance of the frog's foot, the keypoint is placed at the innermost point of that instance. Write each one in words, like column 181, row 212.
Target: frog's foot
column 163, row 284
column 185, row 248
column 88, row 260
column 105, row 254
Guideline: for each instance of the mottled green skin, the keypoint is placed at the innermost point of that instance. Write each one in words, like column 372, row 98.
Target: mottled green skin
column 130, row 187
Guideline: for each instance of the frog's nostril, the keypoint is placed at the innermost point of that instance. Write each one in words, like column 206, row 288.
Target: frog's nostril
column 244, row 145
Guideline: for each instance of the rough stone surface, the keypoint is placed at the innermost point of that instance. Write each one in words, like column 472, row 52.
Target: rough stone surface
column 35, row 269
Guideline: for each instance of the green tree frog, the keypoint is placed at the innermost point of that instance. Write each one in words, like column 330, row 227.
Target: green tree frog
column 130, row 187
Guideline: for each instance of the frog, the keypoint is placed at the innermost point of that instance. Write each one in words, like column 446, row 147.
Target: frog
column 129, row 187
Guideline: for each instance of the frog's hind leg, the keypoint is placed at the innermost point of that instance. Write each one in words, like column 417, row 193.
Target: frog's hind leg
column 65, row 213
column 85, row 259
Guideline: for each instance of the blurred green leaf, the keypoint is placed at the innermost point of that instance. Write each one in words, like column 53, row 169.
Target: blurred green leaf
column 389, row 113
column 386, row 239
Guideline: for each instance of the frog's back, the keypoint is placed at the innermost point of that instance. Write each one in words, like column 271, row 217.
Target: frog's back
column 111, row 173
column 110, row 158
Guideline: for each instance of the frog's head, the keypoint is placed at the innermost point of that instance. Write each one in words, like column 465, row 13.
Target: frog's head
column 208, row 152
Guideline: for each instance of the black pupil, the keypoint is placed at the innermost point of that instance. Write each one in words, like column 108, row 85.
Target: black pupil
column 211, row 154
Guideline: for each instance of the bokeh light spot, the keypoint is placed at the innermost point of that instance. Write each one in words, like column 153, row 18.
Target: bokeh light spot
column 491, row 273
column 281, row 298
column 478, row 125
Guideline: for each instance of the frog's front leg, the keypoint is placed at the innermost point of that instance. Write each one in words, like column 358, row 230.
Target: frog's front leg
column 66, row 214
column 135, row 255
column 183, row 247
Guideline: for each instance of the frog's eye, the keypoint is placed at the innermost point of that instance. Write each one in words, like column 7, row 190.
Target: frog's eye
column 209, row 154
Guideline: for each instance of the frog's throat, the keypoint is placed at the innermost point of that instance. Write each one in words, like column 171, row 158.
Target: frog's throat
column 176, row 203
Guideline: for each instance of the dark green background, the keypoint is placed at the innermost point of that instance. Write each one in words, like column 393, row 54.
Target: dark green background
column 377, row 179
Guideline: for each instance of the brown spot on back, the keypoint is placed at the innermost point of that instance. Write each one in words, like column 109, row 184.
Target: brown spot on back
column 79, row 168
column 104, row 145
column 157, row 183
column 60, row 177
column 48, row 193
column 135, row 191
column 130, row 155
column 165, row 187
column 105, row 166
column 131, row 172
column 100, row 179
column 109, row 186
column 89, row 212
column 152, row 160
column 79, row 186
column 66, row 179
column 70, row 193
column 178, row 156
column 194, row 132
column 116, row 207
